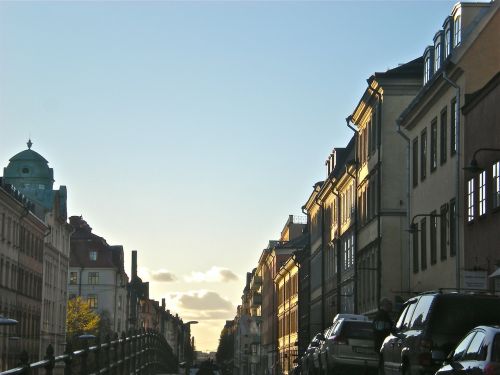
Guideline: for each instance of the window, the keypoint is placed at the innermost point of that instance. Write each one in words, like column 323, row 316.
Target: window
column 437, row 55
column 93, row 278
column 73, row 276
column 470, row 200
column 453, row 127
column 423, row 243
column 447, row 41
column 421, row 312
column 474, row 352
column 453, row 230
column 434, row 132
column 92, row 301
column 427, row 68
column 462, row 347
column 457, row 31
column 443, row 147
column 415, row 161
column 423, row 154
column 482, row 193
column 433, row 222
column 443, row 231
column 415, row 247
column 93, row 255
column 496, row 185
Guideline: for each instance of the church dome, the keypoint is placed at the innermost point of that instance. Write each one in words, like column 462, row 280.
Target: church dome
column 29, row 169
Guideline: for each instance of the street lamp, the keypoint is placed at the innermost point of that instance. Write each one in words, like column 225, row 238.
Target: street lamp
column 413, row 226
column 473, row 165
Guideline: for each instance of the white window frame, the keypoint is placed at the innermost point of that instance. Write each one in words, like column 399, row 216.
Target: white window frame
column 93, row 255
column 496, row 184
column 437, row 55
column 447, row 41
column 482, row 193
column 470, row 200
column 457, row 30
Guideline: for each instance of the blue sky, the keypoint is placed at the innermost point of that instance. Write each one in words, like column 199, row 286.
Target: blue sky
column 189, row 131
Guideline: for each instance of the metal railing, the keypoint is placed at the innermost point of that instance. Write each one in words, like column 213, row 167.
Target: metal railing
column 141, row 352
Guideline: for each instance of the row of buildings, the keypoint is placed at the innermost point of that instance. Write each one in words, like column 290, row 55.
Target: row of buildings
column 46, row 259
column 411, row 203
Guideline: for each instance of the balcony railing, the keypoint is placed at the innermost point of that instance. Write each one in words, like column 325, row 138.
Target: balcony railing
column 256, row 299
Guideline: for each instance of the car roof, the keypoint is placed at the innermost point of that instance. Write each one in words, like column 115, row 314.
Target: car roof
column 348, row 317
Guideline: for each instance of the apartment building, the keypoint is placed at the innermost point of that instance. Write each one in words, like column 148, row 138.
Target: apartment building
column 21, row 275
column 461, row 60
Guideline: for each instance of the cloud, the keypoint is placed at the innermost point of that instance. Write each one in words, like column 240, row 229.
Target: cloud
column 214, row 274
column 200, row 305
column 163, row 276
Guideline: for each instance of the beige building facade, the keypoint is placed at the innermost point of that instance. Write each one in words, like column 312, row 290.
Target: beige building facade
column 463, row 58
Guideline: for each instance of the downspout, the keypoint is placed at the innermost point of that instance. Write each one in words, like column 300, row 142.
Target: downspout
column 457, row 177
column 355, row 245
column 379, row 194
column 337, row 249
column 322, row 263
column 408, row 201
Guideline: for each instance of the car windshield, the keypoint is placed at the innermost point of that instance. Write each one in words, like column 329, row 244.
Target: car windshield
column 455, row 315
column 358, row 330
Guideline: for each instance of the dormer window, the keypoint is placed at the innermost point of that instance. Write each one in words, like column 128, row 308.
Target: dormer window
column 438, row 51
column 457, row 30
column 93, row 255
column 447, row 37
column 428, row 64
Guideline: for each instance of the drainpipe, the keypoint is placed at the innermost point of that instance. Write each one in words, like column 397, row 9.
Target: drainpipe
column 458, row 198
column 322, row 263
column 355, row 245
column 337, row 249
column 408, row 201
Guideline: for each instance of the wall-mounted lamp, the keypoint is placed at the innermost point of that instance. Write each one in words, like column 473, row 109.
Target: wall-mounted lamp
column 473, row 166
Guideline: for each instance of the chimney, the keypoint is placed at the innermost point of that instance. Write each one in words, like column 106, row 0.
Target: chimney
column 163, row 303
column 134, row 263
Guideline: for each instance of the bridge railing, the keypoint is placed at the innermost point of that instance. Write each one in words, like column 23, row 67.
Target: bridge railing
column 141, row 352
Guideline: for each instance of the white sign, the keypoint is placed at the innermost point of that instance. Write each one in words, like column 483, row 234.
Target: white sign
column 475, row 280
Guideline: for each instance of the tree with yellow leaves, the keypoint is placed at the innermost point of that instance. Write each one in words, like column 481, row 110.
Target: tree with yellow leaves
column 80, row 318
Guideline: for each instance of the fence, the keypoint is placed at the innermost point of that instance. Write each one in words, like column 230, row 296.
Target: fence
column 141, row 352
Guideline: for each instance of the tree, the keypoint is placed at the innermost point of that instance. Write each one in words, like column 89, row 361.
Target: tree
column 105, row 327
column 225, row 351
column 81, row 318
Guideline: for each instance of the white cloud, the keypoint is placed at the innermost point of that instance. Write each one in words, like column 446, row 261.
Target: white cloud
column 163, row 275
column 214, row 274
column 200, row 305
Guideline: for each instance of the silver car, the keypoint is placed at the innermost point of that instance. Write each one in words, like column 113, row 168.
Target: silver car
column 349, row 346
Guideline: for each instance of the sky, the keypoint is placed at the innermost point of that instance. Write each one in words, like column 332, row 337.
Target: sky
column 189, row 131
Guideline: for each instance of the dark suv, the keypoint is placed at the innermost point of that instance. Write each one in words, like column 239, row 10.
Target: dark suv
column 429, row 327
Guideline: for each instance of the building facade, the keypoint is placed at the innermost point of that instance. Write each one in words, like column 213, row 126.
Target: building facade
column 97, row 275
column 29, row 173
column 461, row 60
column 21, row 276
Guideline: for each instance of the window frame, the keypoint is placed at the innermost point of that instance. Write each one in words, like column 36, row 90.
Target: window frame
column 423, row 244
column 434, row 135
column 471, row 188
column 423, row 154
column 495, row 185
column 433, row 237
column 443, row 133
column 481, row 194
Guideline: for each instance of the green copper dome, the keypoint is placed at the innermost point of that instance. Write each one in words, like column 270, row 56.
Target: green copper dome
column 29, row 172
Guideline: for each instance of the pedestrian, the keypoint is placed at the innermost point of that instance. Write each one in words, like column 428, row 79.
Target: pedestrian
column 382, row 327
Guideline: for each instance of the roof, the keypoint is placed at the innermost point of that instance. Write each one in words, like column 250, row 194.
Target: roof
column 411, row 69
column 28, row 155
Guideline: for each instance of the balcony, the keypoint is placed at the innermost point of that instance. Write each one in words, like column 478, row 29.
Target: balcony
column 256, row 299
column 256, row 283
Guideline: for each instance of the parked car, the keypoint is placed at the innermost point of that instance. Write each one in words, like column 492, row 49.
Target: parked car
column 430, row 325
column 349, row 347
column 477, row 353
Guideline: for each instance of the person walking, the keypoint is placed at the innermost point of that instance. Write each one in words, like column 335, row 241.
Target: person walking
column 382, row 327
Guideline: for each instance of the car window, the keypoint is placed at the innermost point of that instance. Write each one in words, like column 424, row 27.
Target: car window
column 454, row 315
column 462, row 346
column 358, row 330
column 495, row 351
column 336, row 329
column 399, row 323
column 406, row 321
column 474, row 352
column 419, row 319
